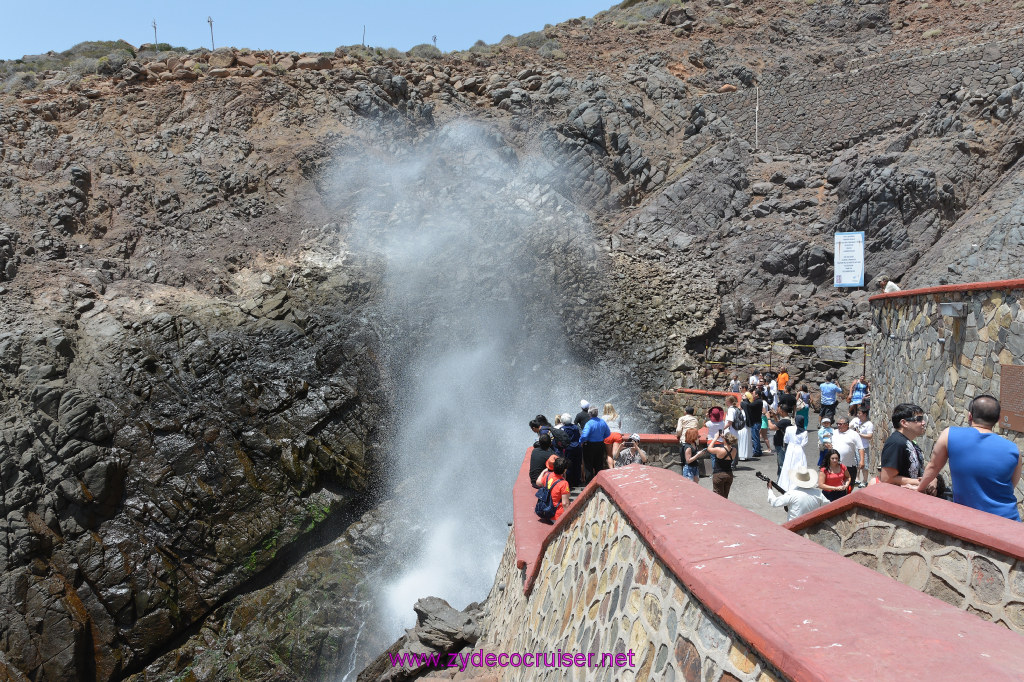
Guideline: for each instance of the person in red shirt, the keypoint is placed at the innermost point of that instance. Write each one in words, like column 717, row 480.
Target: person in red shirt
column 554, row 479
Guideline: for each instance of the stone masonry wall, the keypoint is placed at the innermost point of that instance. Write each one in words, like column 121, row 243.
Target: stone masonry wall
column 806, row 114
column 909, row 364
column 975, row 579
column 603, row 590
column 670, row 404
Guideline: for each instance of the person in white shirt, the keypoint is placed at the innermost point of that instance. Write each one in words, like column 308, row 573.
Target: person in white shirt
column 847, row 443
column 865, row 429
column 734, row 385
column 803, row 496
column 886, row 285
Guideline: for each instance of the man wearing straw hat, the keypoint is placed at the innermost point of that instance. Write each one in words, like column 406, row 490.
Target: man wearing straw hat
column 803, row 496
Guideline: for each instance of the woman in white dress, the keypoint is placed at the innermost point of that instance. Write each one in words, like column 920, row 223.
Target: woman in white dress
column 795, row 440
column 744, row 444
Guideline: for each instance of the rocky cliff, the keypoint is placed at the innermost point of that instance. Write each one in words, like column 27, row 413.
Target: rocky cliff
column 192, row 366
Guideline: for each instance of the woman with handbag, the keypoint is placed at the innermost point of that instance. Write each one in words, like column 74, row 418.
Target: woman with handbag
column 803, row 404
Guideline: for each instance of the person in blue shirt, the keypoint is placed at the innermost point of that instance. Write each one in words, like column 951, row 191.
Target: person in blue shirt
column 859, row 390
column 592, row 439
column 829, row 397
column 985, row 467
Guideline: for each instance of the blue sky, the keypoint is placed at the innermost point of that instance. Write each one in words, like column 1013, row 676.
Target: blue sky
column 33, row 27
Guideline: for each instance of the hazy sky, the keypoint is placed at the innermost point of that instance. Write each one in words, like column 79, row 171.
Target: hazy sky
column 313, row 26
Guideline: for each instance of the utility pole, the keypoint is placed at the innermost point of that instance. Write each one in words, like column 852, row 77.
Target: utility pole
column 364, row 35
column 155, row 41
column 209, row 20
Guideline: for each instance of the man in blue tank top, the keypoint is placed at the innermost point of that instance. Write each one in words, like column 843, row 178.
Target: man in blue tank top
column 985, row 467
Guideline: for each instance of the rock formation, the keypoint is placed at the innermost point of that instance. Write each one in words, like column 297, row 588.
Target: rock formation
column 190, row 371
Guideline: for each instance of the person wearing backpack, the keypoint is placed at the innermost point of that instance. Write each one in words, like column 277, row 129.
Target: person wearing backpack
column 736, row 424
column 573, row 451
column 553, row 495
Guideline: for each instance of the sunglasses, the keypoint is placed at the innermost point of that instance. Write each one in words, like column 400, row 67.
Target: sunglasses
column 919, row 418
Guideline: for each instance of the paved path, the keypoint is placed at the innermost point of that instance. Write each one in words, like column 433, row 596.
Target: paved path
column 751, row 492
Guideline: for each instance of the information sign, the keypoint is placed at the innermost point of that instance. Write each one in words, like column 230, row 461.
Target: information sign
column 1011, row 397
column 849, row 259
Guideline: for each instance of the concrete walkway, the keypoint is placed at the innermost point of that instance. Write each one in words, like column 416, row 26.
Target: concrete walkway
column 751, row 492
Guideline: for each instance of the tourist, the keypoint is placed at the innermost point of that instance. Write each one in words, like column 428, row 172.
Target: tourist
column 795, row 439
column 554, row 480
column 755, row 379
column 539, row 429
column 630, row 453
column 778, row 422
column 539, row 457
column 902, row 461
column 583, row 416
column 723, row 453
column 825, row 432
column 735, row 423
column 829, row 396
column 715, row 422
column 687, row 421
column 734, row 385
column 985, row 467
column 688, row 455
column 859, row 390
column 846, row 442
column 592, row 441
column 773, row 388
column 788, row 400
column 754, row 408
column 573, row 451
column 802, row 494
column 865, row 429
column 782, row 380
column 803, row 404
column 614, row 440
column 886, row 285
column 834, row 478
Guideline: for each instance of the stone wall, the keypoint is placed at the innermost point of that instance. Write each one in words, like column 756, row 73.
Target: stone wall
column 909, row 363
column 976, row 579
column 670, row 404
column 805, row 114
column 604, row 591
column 647, row 562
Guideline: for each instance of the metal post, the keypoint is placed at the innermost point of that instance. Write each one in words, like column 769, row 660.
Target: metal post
column 155, row 41
column 209, row 20
column 864, row 367
column 757, row 107
column 364, row 35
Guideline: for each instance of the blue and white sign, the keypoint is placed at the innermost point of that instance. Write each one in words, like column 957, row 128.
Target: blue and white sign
column 849, row 259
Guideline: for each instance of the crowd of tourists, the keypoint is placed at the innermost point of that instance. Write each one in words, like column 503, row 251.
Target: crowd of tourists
column 570, row 452
column 771, row 418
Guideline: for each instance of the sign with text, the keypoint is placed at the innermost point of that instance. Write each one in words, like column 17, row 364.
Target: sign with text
column 849, row 259
column 1011, row 397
